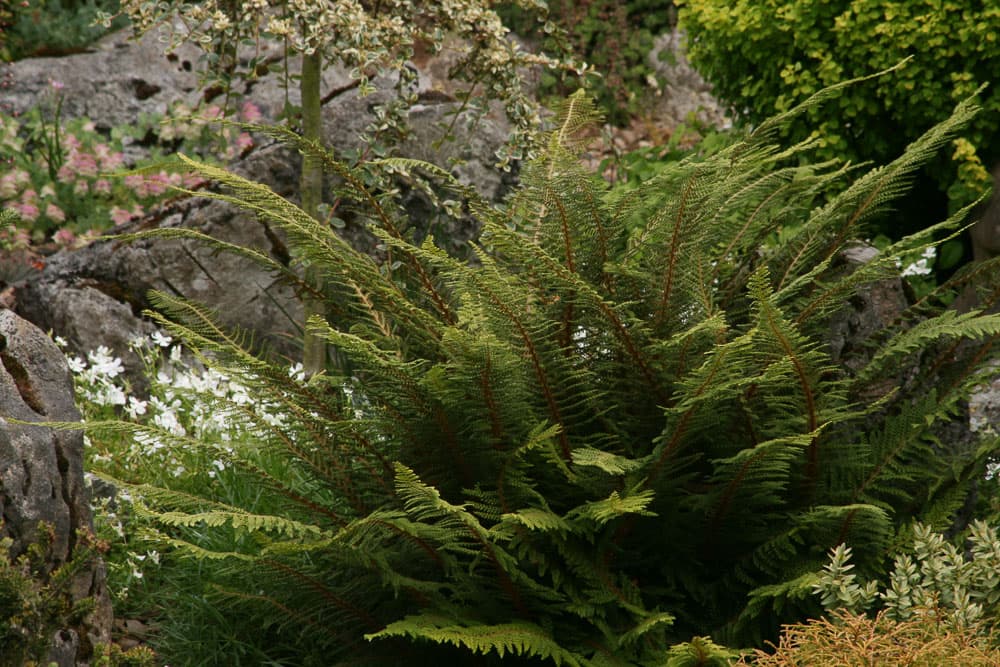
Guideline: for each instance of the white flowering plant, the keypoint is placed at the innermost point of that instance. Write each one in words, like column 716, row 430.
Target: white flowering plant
column 186, row 430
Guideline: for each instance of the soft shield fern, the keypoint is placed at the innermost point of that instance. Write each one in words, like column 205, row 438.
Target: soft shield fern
column 619, row 427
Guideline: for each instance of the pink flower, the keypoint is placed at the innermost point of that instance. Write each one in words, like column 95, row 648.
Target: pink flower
column 81, row 187
column 64, row 237
column 157, row 184
column 212, row 112
column 29, row 196
column 8, row 186
column 70, row 142
column 137, row 211
column 120, row 216
column 136, row 183
column 251, row 112
column 113, row 161
column 54, row 213
column 56, row 85
column 244, row 142
column 82, row 164
column 29, row 212
column 102, row 186
column 193, row 181
column 65, row 173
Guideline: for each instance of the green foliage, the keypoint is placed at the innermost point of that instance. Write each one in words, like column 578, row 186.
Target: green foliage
column 112, row 655
column 700, row 652
column 627, row 170
column 933, row 578
column 36, row 600
column 620, row 427
column 45, row 28
column 765, row 58
column 614, row 37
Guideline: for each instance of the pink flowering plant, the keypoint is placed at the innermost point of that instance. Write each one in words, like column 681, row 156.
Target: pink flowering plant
column 67, row 181
column 61, row 178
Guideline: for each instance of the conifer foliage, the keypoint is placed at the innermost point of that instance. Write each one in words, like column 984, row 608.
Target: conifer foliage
column 618, row 428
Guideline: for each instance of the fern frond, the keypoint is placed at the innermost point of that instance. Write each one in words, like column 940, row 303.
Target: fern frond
column 519, row 638
column 948, row 324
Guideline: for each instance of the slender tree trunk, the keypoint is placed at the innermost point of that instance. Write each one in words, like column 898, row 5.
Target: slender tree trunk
column 311, row 188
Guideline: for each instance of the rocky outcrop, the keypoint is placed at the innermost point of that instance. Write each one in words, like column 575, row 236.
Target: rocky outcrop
column 95, row 295
column 41, row 471
column 685, row 94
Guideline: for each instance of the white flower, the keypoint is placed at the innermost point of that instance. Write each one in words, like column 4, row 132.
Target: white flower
column 149, row 442
column 219, row 466
column 918, row 268
column 111, row 395
column 297, row 372
column 76, row 365
column 135, row 407
column 167, row 420
column 60, row 341
column 161, row 339
column 102, row 363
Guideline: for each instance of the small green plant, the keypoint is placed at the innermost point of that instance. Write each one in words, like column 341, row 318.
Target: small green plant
column 44, row 28
column 112, row 655
column 626, row 171
column 36, row 601
column 952, row 588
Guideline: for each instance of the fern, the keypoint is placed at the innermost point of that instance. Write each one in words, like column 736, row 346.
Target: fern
column 618, row 427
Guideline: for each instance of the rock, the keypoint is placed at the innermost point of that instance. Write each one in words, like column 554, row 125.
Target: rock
column 685, row 94
column 119, row 78
column 41, row 470
column 95, row 295
column 873, row 308
column 984, row 408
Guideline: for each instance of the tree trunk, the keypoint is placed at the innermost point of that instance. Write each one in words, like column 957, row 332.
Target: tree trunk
column 311, row 188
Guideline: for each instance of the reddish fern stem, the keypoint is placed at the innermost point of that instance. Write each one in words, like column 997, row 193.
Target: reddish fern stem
column 673, row 255
column 681, row 427
column 328, row 595
column 539, row 372
column 431, row 551
column 727, row 496
column 496, row 422
column 505, row 581
column 812, row 452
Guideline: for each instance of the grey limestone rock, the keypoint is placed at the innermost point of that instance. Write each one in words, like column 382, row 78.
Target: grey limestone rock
column 685, row 93
column 41, row 469
column 95, row 295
